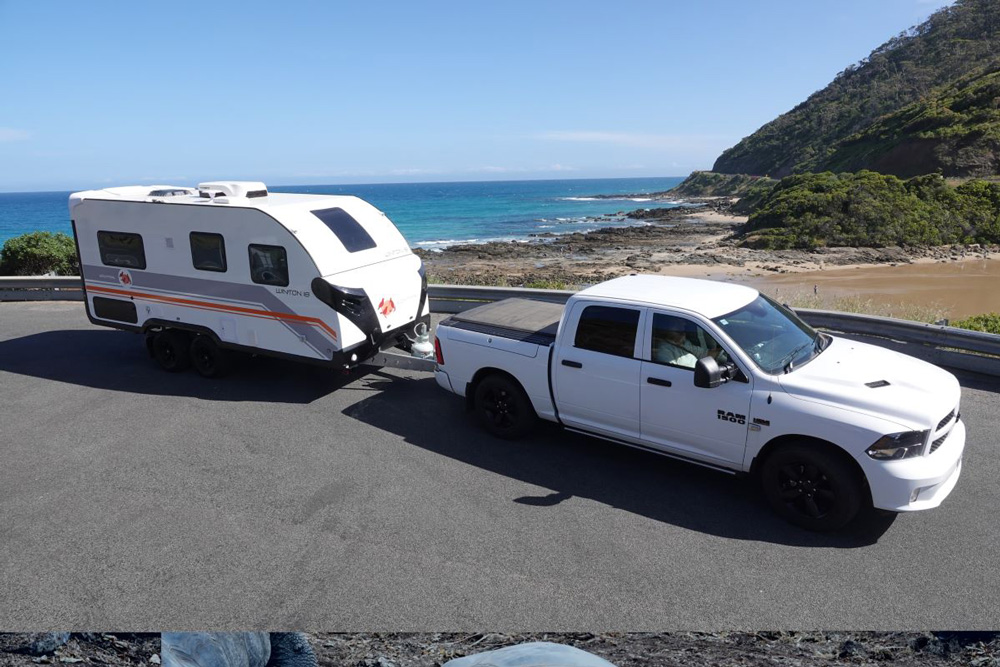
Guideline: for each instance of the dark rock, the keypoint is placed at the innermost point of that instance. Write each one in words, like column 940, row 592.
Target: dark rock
column 850, row 648
column 40, row 643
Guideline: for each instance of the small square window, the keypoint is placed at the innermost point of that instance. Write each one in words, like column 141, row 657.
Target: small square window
column 269, row 265
column 208, row 251
column 121, row 249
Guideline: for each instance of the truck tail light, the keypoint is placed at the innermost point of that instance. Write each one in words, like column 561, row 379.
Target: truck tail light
column 438, row 355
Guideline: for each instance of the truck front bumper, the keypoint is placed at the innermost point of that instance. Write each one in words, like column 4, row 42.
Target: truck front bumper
column 917, row 483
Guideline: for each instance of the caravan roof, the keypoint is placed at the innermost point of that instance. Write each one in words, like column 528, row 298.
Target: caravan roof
column 313, row 218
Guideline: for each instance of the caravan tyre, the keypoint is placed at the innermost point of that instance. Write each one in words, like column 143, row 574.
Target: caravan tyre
column 208, row 358
column 170, row 349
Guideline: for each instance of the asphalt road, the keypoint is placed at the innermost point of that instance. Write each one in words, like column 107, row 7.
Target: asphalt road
column 285, row 496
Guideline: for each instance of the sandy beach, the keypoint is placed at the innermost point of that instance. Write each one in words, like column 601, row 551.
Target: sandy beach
column 698, row 242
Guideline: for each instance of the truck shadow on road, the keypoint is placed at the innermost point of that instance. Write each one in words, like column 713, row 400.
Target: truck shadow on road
column 118, row 361
column 570, row 465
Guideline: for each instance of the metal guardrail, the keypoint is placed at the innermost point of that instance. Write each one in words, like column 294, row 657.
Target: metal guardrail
column 943, row 345
column 41, row 288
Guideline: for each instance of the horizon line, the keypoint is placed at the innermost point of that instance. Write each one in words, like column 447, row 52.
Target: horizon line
column 305, row 185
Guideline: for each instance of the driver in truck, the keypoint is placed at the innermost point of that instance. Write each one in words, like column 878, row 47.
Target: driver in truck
column 673, row 346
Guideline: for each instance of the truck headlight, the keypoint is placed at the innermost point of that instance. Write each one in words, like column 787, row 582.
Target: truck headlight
column 898, row 445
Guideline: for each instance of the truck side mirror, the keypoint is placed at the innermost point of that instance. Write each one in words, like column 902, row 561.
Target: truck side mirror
column 707, row 373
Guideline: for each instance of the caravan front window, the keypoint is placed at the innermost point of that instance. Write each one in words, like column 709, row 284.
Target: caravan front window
column 347, row 230
column 269, row 265
column 208, row 251
column 121, row 249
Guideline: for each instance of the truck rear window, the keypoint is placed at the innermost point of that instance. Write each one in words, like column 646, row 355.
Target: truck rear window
column 347, row 229
column 608, row 329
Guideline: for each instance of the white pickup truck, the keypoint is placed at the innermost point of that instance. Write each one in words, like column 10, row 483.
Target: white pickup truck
column 719, row 375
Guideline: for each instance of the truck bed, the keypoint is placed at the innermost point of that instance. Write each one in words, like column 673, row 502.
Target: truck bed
column 518, row 319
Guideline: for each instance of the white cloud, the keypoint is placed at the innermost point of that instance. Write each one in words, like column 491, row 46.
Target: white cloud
column 413, row 171
column 491, row 169
column 12, row 134
column 631, row 139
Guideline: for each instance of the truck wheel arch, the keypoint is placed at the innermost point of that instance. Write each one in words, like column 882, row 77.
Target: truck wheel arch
column 776, row 443
column 481, row 374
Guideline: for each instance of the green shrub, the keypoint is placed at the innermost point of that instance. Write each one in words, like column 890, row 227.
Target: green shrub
column 39, row 253
column 990, row 323
column 868, row 209
column 546, row 284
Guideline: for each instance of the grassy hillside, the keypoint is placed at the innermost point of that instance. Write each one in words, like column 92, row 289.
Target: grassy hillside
column 956, row 42
column 873, row 210
column 710, row 184
column 955, row 131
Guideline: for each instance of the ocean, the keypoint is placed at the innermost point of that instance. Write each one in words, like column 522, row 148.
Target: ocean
column 430, row 215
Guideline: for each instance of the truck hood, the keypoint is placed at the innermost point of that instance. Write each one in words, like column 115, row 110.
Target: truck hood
column 917, row 396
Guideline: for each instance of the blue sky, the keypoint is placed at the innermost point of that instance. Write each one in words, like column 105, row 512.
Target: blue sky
column 99, row 93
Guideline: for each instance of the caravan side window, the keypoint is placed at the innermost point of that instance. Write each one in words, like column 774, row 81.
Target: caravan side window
column 269, row 265
column 121, row 249
column 208, row 251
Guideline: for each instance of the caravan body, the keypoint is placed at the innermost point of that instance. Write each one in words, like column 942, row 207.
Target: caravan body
column 320, row 278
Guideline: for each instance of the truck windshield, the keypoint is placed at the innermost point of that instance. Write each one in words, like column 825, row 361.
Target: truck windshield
column 773, row 336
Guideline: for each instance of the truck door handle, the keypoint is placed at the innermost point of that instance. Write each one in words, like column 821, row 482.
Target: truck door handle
column 572, row 364
column 659, row 382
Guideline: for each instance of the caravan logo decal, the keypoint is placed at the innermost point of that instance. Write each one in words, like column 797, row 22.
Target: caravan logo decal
column 125, row 278
column 386, row 307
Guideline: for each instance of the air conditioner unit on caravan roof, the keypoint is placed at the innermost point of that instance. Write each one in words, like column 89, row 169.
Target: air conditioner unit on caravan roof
column 249, row 189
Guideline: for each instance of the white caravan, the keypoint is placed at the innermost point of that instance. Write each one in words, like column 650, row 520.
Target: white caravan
column 229, row 265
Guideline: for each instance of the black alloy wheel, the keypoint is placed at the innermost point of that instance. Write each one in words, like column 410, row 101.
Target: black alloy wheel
column 170, row 349
column 503, row 408
column 811, row 486
column 208, row 358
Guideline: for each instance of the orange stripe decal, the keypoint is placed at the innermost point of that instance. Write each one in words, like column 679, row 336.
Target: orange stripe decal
column 205, row 305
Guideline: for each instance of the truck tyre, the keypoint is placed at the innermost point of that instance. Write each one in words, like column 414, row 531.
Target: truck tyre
column 208, row 358
column 811, row 486
column 503, row 408
column 170, row 349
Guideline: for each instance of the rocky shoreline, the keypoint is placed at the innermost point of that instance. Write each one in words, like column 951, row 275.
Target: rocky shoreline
column 726, row 649
column 674, row 241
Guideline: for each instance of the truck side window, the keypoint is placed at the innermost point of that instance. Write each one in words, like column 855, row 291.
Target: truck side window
column 346, row 228
column 208, row 251
column 680, row 342
column 121, row 249
column 269, row 265
column 608, row 329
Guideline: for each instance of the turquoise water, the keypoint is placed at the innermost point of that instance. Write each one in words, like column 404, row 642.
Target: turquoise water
column 430, row 215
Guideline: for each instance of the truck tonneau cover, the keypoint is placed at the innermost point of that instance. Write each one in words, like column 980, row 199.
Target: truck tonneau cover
column 520, row 319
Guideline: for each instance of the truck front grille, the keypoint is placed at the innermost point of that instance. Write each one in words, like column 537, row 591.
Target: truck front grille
column 942, row 430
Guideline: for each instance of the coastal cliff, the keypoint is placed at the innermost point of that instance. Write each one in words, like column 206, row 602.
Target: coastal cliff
column 924, row 101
